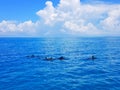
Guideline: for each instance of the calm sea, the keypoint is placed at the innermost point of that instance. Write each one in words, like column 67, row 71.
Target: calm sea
column 23, row 65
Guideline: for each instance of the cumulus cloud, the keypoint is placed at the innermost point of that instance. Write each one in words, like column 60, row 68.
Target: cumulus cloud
column 48, row 13
column 71, row 17
column 12, row 27
column 6, row 26
column 78, row 18
column 112, row 22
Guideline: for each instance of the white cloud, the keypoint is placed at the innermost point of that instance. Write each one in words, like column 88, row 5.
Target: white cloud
column 11, row 27
column 48, row 13
column 112, row 22
column 6, row 26
column 71, row 17
column 83, row 18
column 27, row 25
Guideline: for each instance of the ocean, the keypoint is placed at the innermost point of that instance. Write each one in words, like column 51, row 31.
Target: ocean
column 23, row 63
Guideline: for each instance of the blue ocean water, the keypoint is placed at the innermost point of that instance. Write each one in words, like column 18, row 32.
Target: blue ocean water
column 76, row 72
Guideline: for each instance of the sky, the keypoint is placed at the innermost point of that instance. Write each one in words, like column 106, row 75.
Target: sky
column 59, row 18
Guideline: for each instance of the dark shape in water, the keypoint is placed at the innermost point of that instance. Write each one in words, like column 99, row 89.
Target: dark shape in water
column 61, row 58
column 93, row 57
column 32, row 56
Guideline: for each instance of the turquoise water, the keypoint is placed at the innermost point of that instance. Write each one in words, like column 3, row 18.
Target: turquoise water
column 76, row 72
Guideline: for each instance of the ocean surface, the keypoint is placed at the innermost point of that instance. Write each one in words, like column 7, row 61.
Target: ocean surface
column 23, row 65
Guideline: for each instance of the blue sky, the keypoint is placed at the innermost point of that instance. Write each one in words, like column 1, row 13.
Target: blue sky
column 59, row 17
column 21, row 10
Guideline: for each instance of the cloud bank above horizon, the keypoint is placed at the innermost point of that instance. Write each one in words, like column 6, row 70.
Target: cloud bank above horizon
column 69, row 17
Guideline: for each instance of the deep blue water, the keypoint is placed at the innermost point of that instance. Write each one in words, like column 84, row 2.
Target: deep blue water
column 76, row 72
